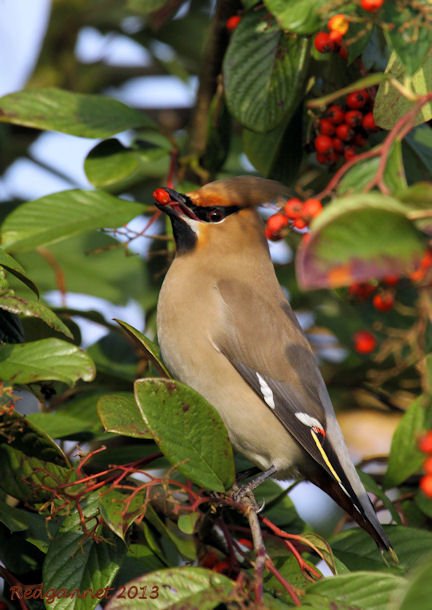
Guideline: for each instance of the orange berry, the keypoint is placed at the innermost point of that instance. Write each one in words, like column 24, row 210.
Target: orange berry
column 311, row 208
column 426, row 485
column 361, row 290
column 161, row 196
column 371, row 6
column 364, row 342
column 338, row 23
column 427, row 466
column 274, row 226
column 383, row 301
column 232, row 23
column 300, row 223
column 336, row 38
column 323, row 44
column 425, row 442
column 293, row 208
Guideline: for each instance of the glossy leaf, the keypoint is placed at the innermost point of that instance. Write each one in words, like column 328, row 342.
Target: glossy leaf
column 418, row 593
column 340, row 250
column 78, row 561
column 45, row 360
column 405, row 457
column 150, row 349
column 390, row 105
column 119, row 413
column 113, row 167
column 61, row 215
column 264, row 71
column 365, row 590
column 32, row 309
column 88, row 116
column 173, row 588
column 188, row 430
column 356, row 549
column 13, row 266
column 299, row 16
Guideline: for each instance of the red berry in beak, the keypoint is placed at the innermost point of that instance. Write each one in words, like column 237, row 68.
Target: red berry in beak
column 161, row 196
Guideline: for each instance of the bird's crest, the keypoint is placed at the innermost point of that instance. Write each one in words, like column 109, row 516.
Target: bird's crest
column 242, row 191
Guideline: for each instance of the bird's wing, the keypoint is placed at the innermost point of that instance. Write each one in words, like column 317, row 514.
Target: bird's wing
column 263, row 341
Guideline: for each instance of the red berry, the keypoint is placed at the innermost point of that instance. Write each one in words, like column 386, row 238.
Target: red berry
column 335, row 114
column 359, row 140
column 324, row 158
column 274, row 226
column 357, row 99
column 221, row 567
column 323, row 44
column 425, row 443
column 364, row 342
column 349, row 153
column 246, row 542
column 232, row 22
column 426, row 485
column 161, row 196
column 383, row 301
column 299, row 223
column 311, row 208
column 293, row 208
column 353, row 118
column 361, row 290
column 427, row 465
column 338, row 23
column 336, row 38
column 344, row 132
column 391, row 280
column 323, row 144
column 338, row 145
column 326, row 127
column 368, row 122
column 343, row 52
column 371, row 6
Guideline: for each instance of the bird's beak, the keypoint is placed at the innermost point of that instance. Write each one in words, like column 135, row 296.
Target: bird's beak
column 173, row 203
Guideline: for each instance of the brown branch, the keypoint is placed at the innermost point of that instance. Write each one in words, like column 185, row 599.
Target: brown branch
column 217, row 41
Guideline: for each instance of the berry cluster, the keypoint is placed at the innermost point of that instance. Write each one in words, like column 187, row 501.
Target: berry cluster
column 425, row 445
column 344, row 129
column 332, row 41
column 382, row 295
column 295, row 214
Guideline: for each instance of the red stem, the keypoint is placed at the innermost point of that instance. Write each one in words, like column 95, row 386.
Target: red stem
column 286, row 585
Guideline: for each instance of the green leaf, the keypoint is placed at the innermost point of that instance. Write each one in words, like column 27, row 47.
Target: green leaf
column 119, row 413
column 88, row 116
column 390, row 105
column 356, row 549
column 372, row 487
column 264, row 71
column 176, row 588
column 113, row 167
column 405, row 457
column 61, row 215
column 299, row 16
column 410, row 35
column 418, row 593
column 32, row 309
column 187, row 523
column 417, row 152
column 120, row 510
column 185, row 545
column 11, row 265
column 188, row 430
column 59, row 424
column 113, row 357
column 363, row 590
column 340, row 250
column 45, row 360
column 150, row 349
column 81, row 562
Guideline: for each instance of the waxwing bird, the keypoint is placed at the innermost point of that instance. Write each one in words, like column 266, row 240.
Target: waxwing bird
column 226, row 329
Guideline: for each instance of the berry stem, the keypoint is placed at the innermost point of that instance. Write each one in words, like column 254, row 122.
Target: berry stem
column 401, row 128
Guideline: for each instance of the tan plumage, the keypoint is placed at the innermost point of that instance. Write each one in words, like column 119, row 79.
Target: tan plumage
column 226, row 329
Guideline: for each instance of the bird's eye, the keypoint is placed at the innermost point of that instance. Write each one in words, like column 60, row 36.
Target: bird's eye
column 215, row 215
